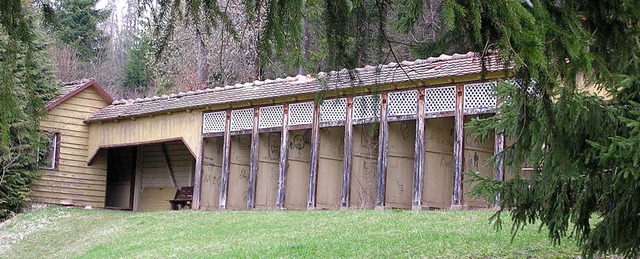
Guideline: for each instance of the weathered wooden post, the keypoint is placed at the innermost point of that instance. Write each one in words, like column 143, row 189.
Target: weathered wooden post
column 197, row 181
column 458, row 150
column 253, row 160
column 284, row 154
column 315, row 155
column 348, row 155
column 383, row 138
column 226, row 159
column 418, row 160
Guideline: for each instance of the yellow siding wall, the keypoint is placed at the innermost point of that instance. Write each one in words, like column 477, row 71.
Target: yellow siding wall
column 185, row 125
column 73, row 180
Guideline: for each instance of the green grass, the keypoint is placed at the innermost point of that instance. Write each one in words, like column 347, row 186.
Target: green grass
column 63, row 232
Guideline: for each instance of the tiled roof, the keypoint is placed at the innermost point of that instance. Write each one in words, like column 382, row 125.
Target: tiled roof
column 69, row 89
column 418, row 70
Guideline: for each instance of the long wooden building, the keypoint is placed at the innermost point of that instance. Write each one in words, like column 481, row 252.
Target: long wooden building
column 387, row 136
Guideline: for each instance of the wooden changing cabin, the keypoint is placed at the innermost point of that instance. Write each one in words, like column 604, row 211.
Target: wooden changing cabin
column 389, row 136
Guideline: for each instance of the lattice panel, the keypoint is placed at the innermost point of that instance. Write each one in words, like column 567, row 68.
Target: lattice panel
column 241, row 119
column 214, row 122
column 333, row 110
column 270, row 116
column 403, row 103
column 480, row 95
column 440, row 99
column 300, row 113
column 366, row 107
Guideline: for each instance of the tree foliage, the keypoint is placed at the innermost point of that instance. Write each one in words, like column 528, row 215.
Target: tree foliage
column 583, row 149
column 27, row 83
column 76, row 25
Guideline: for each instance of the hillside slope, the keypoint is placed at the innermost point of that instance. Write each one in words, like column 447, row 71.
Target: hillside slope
column 64, row 232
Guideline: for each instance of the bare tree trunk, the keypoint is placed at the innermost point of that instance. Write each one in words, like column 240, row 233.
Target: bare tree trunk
column 203, row 69
column 304, row 46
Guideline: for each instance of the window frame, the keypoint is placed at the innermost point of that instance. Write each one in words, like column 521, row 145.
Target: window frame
column 53, row 147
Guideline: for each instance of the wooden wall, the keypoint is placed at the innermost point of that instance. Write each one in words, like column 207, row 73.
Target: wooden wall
column 365, row 164
column 477, row 155
column 400, row 154
column 330, row 162
column 239, row 172
column 297, row 183
column 267, row 179
column 73, row 180
column 211, row 173
column 183, row 125
column 155, row 185
column 438, row 171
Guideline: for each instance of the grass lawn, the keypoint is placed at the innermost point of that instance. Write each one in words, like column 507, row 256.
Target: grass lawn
column 63, row 232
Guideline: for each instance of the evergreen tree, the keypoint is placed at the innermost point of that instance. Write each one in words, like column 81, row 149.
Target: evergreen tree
column 76, row 25
column 27, row 83
column 585, row 150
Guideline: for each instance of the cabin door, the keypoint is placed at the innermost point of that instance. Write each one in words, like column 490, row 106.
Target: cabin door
column 120, row 178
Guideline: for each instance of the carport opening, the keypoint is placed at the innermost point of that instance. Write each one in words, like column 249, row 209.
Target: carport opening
column 146, row 177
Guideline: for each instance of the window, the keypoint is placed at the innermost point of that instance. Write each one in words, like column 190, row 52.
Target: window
column 49, row 158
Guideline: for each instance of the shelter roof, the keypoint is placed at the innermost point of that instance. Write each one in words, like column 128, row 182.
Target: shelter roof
column 368, row 76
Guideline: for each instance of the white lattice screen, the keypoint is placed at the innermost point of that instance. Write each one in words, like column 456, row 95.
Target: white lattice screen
column 366, row 107
column 241, row 119
column 214, row 122
column 480, row 95
column 300, row 113
column 333, row 110
column 403, row 103
column 270, row 116
column 440, row 99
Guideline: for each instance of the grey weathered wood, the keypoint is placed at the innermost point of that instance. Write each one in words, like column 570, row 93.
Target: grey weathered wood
column 383, row 138
column 197, row 181
column 315, row 155
column 498, row 173
column 226, row 157
column 458, row 148
column 418, row 159
column 347, row 164
column 253, row 160
column 284, row 154
column 167, row 160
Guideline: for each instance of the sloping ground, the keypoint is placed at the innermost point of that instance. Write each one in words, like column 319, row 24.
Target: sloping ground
column 62, row 232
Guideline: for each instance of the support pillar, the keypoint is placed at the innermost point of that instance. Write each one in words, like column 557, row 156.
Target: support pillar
column 458, row 150
column 284, row 154
column 315, row 155
column 197, row 181
column 226, row 162
column 383, row 138
column 418, row 159
column 347, row 164
column 253, row 160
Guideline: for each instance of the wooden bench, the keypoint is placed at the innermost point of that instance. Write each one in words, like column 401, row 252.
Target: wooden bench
column 183, row 198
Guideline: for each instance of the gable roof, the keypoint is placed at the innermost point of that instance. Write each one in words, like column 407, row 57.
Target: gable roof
column 392, row 73
column 69, row 89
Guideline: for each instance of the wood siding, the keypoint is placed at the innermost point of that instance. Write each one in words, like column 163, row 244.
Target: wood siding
column 73, row 180
column 186, row 126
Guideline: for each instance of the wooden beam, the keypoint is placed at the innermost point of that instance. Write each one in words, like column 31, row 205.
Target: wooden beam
column 347, row 164
column 284, row 154
column 138, row 177
column 226, row 162
column 383, row 138
column 253, row 163
column 498, row 173
column 315, row 155
column 498, row 147
column 418, row 159
column 167, row 159
column 458, row 149
column 197, row 181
